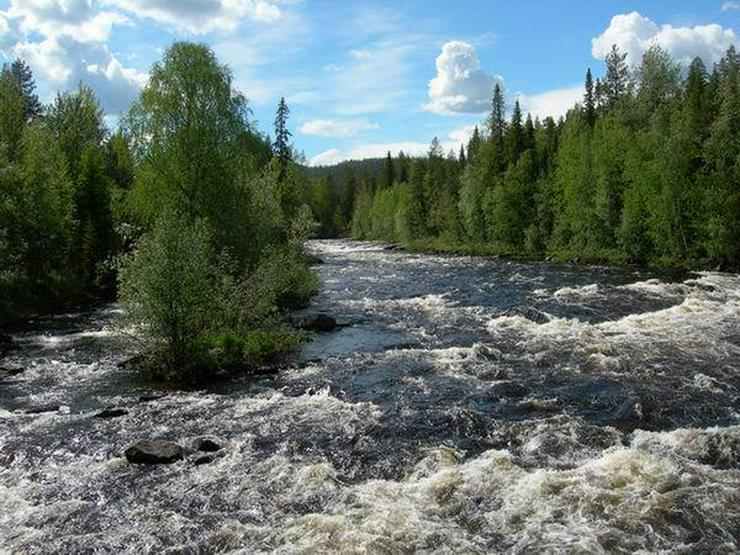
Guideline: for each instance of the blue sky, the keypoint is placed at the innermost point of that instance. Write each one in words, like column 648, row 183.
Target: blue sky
column 362, row 77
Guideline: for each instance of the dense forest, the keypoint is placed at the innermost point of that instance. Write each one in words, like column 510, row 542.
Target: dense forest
column 646, row 170
column 186, row 213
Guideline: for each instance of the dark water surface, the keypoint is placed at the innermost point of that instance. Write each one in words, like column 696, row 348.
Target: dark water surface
column 469, row 405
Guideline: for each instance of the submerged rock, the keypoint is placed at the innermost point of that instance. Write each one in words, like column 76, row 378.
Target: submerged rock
column 111, row 412
column 8, row 372
column 316, row 321
column 206, row 459
column 510, row 390
column 531, row 314
column 150, row 398
column 154, row 451
column 42, row 409
column 207, row 445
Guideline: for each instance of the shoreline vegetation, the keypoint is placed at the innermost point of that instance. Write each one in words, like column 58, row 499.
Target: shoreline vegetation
column 187, row 215
column 645, row 171
column 195, row 221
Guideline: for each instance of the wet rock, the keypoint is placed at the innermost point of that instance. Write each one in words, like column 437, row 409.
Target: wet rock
column 6, row 342
column 628, row 415
column 392, row 248
column 317, row 321
column 722, row 452
column 150, row 398
column 8, row 372
column 531, row 314
column 111, row 412
column 43, row 409
column 153, row 451
column 205, row 459
column 207, row 445
column 510, row 390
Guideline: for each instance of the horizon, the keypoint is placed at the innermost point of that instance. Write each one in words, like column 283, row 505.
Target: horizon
column 378, row 78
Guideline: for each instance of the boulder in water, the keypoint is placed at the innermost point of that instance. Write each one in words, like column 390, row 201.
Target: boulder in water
column 8, row 372
column 531, row 314
column 207, row 445
column 154, row 451
column 111, row 412
column 43, row 408
column 6, row 342
column 314, row 321
column 510, row 390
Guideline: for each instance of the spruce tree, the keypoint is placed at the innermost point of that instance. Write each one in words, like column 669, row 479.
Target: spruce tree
column 589, row 99
column 24, row 77
column 616, row 82
column 388, row 172
column 281, row 147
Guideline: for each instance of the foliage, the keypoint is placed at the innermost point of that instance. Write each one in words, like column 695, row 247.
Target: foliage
column 645, row 170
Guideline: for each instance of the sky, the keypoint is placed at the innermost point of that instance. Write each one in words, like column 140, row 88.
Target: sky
column 362, row 77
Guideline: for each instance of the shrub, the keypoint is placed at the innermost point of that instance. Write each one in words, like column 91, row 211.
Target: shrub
column 168, row 285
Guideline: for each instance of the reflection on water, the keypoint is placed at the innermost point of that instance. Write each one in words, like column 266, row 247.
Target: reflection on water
column 469, row 405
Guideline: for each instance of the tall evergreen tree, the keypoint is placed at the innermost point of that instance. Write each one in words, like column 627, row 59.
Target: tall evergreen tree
column 589, row 99
column 281, row 147
column 388, row 172
column 616, row 81
column 24, row 76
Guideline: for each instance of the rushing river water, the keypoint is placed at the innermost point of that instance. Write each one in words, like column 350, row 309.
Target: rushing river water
column 468, row 405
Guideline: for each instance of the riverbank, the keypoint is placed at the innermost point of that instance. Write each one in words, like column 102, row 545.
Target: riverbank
column 441, row 246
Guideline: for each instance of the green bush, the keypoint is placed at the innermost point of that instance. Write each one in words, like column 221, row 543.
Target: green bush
column 168, row 285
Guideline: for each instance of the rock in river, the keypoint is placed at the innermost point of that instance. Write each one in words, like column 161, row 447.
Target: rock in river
column 153, row 451
column 207, row 445
column 111, row 412
column 313, row 321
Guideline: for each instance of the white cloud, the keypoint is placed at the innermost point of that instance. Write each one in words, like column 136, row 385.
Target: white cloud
column 460, row 85
column 201, row 16
column 64, row 42
column 730, row 6
column 634, row 33
column 327, row 158
column 73, row 18
column 361, row 54
column 553, row 103
column 332, row 156
column 462, row 135
column 336, row 129
column 63, row 62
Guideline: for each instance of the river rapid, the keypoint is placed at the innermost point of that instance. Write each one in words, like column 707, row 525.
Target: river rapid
column 466, row 405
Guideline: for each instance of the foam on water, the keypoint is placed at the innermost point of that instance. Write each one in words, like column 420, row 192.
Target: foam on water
column 509, row 408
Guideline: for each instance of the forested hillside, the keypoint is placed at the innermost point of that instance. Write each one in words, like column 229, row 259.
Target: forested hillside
column 646, row 169
column 186, row 213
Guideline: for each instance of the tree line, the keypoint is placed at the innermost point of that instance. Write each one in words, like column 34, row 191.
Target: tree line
column 187, row 214
column 645, row 170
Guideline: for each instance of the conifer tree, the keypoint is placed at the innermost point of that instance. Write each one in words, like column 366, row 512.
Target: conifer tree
column 616, row 81
column 281, row 147
column 24, row 77
column 589, row 99
column 388, row 173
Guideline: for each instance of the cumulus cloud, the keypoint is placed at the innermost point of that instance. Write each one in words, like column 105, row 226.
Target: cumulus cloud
column 64, row 41
column 634, row 33
column 460, row 86
column 456, row 137
column 554, row 103
column 200, row 16
column 327, row 158
column 730, row 6
column 462, row 135
column 336, row 129
column 63, row 62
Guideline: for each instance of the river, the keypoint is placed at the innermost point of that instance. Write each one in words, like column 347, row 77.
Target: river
column 465, row 405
